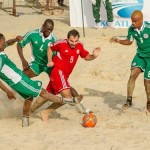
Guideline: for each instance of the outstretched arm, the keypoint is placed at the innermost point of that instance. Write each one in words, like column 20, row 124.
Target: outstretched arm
column 12, row 41
column 96, row 52
column 10, row 95
column 123, row 42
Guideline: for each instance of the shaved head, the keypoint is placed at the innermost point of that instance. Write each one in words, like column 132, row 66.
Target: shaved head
column 137, row 19
column 137, row 14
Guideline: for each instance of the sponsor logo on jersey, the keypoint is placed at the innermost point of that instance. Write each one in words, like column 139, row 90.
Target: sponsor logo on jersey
column 145, row 36
column 36, row 42
column 134, row 64
column 78, row 51
column 124, row 8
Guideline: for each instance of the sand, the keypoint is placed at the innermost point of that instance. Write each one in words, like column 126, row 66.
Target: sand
column 103, row 83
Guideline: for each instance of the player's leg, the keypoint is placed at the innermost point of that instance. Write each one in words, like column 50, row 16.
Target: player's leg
column 130, row 87
column 67, row 98
column 147, row 83
column 29, row 73
column 39, row 69
column 45, row 113
column 138, row 65
column 38, row 103
column 74, row 93
column 33, row 70
column 147, row 90
column 26, row 112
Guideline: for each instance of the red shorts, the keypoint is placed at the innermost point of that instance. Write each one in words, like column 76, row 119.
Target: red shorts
column 58, row 82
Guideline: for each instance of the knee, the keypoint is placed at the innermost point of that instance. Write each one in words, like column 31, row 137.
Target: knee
column 134, row 74
column 133, row 77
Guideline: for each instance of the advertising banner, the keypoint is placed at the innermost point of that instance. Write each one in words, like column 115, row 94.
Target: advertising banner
column 122, row 10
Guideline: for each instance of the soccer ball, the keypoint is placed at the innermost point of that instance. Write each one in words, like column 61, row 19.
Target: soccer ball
column 89, row 120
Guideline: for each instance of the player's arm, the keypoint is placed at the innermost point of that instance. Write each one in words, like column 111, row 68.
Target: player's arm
column 123, row 42
column 21, row 44
column 49, row 56
column 96, row 52
column 10, row 95
column 12, row 41
column 25, row 64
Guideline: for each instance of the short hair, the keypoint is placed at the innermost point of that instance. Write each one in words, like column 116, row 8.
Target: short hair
column 74, row 33
column 49, row 21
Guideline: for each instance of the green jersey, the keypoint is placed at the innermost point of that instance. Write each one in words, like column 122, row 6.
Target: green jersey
column 142, row 38
column 8, row 70
column 18, row 81
column 39, row 45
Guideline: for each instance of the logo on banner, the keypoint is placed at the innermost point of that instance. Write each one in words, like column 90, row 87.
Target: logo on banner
column 124, row 8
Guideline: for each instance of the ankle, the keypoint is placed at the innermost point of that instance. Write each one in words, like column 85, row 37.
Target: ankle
column 25, row 121
column 129, row 100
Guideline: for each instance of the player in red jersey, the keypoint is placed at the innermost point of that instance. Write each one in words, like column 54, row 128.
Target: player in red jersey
column 68, row 51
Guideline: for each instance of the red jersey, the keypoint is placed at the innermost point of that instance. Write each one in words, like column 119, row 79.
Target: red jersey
column 67, row 57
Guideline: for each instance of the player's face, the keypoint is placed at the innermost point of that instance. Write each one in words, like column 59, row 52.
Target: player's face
column 47, row 29
column 137, row 22
column 73, row 41
column 2, row 44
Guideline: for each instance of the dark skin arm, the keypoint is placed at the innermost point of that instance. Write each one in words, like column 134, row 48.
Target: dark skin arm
column 25, row 64
column 123, row 42
column 10, row 95
column 12, row 41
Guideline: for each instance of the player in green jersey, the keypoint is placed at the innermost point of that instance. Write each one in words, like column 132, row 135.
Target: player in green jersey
column 40, row 40
column 140, row 32
column 21, row 83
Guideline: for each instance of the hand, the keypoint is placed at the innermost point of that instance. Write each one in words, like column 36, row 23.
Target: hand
column 93, row 2
column 25, row 65
column 114, row 39
column 10, row 95
column 50, row 64
column 96, row 51
column 19, row 38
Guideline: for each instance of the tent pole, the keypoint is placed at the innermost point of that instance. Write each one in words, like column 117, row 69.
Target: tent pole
column 82, row 18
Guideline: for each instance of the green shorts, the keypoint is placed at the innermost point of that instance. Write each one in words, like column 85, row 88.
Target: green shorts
column 37, row 69
column 143, row 63
column 27, row 88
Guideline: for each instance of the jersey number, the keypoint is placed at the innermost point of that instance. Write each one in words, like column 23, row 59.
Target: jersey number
column 41, row 48
column 149, row 74
column 71, row 59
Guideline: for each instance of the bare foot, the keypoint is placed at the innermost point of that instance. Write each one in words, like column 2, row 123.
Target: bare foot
column 45, row 116
column 125, row 106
